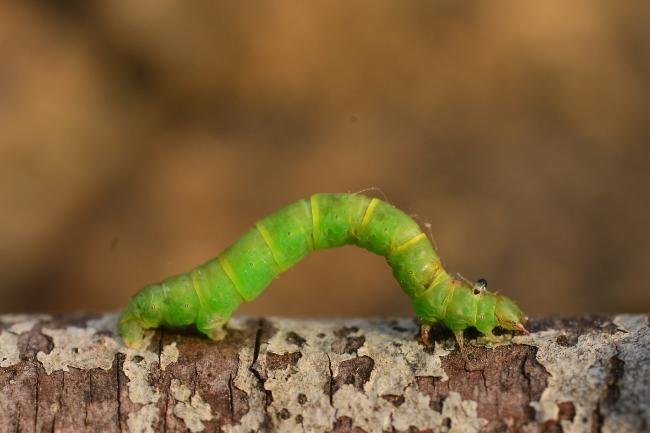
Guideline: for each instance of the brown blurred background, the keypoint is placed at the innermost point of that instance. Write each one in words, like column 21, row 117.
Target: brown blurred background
column 138, row 139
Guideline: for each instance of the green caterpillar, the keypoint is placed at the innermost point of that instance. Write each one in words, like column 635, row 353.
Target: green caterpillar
column 208, row 294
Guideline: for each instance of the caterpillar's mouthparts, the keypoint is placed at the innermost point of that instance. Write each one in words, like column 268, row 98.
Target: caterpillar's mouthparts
column 522, row 328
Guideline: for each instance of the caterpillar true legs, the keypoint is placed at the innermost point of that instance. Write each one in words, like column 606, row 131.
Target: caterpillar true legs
column 208, row 294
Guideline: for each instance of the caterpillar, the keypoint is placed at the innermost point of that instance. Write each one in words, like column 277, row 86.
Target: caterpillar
column 207, row 295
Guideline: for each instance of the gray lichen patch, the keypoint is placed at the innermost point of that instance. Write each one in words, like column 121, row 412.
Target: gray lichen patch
column 168, row 356
column 238, row 323
column 16, row 324
column 23, row 327
column 12, row 319
column 327, row 381
column 105, row 323
column 136, row 367
column 22, row 323
column 9, row 353
column 78, row 347
column 581, row 373
column 372, row 414
column 190, row 408
column 143, row 420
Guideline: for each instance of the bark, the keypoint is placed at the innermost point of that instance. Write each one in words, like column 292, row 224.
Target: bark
column 71, row 374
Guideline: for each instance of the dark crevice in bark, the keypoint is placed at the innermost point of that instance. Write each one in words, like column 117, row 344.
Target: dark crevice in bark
column 485, row 384
column 118, row 366
column 165, row 409
column 195, row 377
column 597, row 419
column 89, row 374
column 50, row 343
column 616, row 369
column 231, row 399
column 330, row 385
column 60, row 400
column 38, row 384
column 268, row 396
column 612, row 392
column 160, row 346
column 526, row 376
column 258, row 337
column 161, row 379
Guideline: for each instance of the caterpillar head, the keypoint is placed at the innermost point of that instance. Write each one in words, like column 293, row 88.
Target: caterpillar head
column 508, row 315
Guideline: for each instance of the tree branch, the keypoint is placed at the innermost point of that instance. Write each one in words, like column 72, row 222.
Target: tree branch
column 580, row 374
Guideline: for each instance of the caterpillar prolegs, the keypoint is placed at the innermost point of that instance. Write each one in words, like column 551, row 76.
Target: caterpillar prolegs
column 208, row 294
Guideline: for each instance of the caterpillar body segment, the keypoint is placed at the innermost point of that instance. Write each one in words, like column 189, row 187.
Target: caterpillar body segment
column 208, row 294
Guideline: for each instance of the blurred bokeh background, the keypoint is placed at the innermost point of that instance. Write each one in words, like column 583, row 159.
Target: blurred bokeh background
column 138, row 139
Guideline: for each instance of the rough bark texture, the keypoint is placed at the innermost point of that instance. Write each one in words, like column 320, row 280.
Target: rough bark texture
column 71, row 374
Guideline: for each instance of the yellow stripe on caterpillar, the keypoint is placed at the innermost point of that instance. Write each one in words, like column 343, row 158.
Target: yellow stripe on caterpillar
column 368, row 214
column 315, row 219
column 414, row 240
column 269, row 243
column 230, row 273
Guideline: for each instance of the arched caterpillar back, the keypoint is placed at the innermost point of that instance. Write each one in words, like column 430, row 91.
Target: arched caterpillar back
column 208, row 294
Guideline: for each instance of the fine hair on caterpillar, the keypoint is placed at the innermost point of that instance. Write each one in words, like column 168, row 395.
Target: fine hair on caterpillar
column 207, row 295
